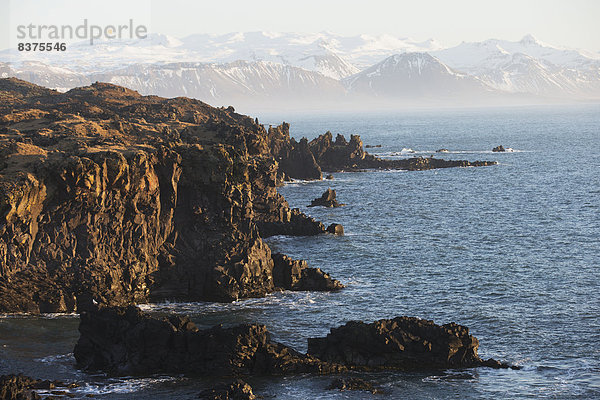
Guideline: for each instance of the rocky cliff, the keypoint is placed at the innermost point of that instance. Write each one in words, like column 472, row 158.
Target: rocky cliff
column 120, row 198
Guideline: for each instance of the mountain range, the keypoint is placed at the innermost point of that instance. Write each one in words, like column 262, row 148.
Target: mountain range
column 274, row 70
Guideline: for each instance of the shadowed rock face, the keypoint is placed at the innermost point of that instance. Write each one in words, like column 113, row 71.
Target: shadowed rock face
column 126, row 341
column 122, row 198
column 405, row 343
column 295, row 275
column 344, row 155
column 306, row 160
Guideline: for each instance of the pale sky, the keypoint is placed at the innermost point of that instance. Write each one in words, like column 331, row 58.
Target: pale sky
column 569, row 23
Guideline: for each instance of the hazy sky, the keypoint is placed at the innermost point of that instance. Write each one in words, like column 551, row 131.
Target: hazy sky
column 571, row 23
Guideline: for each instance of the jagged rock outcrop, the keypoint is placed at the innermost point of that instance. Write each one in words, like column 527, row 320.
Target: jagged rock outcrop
column 236, row 390
column 405, row 343
column 296, row 275
column 291, row 223
column 17, row 387
column 124, row 340
column 110, row 195
column 344, row 155
column 296, row 161
column 499, row 149
column 21, row 387
column 339, row 155
column 299, row 162
column 327, row 199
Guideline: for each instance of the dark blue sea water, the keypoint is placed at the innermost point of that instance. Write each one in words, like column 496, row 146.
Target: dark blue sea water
column 511, row 251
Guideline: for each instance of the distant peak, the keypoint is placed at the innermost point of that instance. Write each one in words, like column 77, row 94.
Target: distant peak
column 411, row 55
column 529, row 39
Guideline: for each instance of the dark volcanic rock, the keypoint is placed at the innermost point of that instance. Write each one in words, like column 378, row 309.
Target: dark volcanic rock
column 296, row 275
column 401, row 343
column 327, row 199
column 126, row 341
column 17, row 387
column 110, row 195
column 442, row 151
column 338, row 155
column 20, row 387
column 292, row 223
column 343, row 155
column 355, row 384
column 499, row 149
column 237, row 390
column 336, row 229
column 295, row 159
column 299, row 162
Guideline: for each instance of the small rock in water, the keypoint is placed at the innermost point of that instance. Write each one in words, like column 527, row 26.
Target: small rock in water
column 336, row 229
column 442, row 151
column 499, row 149
column 329, row 177
column 327, row 199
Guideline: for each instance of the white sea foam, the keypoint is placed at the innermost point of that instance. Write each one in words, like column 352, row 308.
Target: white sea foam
column 300, row 182
column 59, row 358
column 38, row 316
column 404, row 153
column 122, row 385
column 285, row 299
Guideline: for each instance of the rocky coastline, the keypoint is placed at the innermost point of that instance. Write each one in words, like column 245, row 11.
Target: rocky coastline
column 109, row 195
column 110, row 199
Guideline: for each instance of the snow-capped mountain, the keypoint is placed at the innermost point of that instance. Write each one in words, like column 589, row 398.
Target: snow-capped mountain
column 310, row 52
column 239, row 82
column 520, row 73
column 414, row 75
column 316, row 69
column 470, row 57
column 332, row 55
column 527, row 66
column 231, row 83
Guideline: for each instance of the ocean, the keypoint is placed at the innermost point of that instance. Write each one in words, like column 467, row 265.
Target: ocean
column 512, row 251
